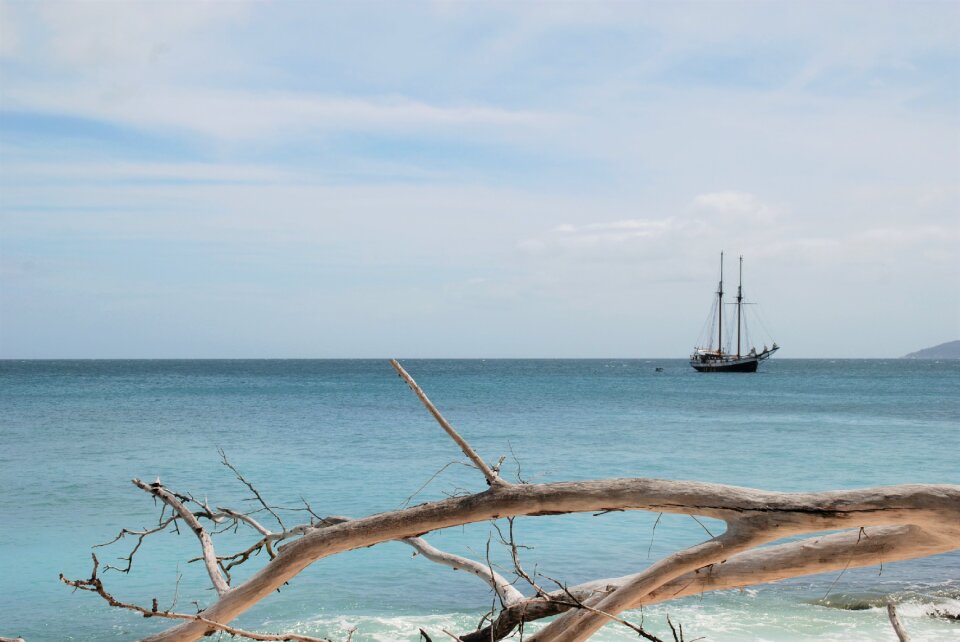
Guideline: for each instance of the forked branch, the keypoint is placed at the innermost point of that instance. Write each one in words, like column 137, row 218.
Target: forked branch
column 94, row 585
column 932, row 510
column 206, row 544
column 878, row 524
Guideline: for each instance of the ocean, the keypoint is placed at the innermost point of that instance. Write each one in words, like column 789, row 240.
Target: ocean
column 351, row 439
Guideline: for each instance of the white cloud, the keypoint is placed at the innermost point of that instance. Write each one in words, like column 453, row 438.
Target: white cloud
column 164, row 66
column 124, row 171
column 709, row 217
column 9, row 30
column 242, row 115
column 88, row 35
column 630, row 226
column 739, row 222
column 651, row 112
column 601, row 237
column 734, row 206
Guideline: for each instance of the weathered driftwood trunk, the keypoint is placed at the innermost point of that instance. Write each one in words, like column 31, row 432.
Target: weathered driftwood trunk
column 926, row 520
column 879, row 525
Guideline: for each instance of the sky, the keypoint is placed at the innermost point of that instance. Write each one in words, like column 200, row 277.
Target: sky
column 475, row 179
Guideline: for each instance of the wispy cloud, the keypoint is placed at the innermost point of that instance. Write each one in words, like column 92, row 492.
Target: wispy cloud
column 737, row 207
column 494, row 175
column 687, row 232
column 245, row 115
column 689, row 240
column 147, row 172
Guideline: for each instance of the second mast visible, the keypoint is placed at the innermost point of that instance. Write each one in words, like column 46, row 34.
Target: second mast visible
column 706, row 359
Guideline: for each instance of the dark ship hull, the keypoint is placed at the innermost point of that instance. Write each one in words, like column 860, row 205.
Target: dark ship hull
column 723, row 362
column 720, row 365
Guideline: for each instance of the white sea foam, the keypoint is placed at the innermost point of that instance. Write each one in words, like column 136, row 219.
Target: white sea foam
column 714, row 621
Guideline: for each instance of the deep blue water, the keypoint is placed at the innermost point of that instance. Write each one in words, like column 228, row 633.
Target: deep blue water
column 349, row 437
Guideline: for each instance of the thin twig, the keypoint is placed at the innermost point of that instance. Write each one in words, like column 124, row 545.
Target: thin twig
column 94, row 585
column 407, row 501
column 702, row 526
column 140, row 537
column 517, row 461
column 580, row 604
column 226, row 462
column 652, row 533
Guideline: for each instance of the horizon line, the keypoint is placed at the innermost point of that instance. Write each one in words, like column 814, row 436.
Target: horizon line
column 819, row 358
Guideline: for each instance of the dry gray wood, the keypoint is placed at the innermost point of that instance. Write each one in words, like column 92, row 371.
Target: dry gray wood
column 933, row 510
column 746, row 531
column 821, row 554
column 95, row 585
column 907, row 521
column 895, row 621
column 507, row 592
column 580, row 624
column 503, row 588
column 491, row 477
column 206, row 544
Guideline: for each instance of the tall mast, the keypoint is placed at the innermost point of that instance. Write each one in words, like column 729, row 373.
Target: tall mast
column 720, row 309
column 739, row 304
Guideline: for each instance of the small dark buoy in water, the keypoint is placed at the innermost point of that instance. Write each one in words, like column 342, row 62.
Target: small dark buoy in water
column 659, row 369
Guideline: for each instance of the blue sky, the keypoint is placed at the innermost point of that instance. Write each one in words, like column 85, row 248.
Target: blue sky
column 456, row 179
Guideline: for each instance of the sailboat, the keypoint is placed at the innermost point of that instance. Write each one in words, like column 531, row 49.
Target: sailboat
column 708, row 359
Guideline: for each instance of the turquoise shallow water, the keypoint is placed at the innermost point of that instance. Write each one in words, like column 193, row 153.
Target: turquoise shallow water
column 350, row 438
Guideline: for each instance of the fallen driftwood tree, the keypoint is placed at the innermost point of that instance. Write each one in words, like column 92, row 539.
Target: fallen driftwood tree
column 877, row 525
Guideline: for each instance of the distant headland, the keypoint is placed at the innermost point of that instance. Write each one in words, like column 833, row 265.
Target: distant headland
column 948, row 350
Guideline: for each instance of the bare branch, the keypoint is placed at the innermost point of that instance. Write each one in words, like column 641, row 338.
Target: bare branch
column 635, row 628
column 256, row 493
column 515, row 557
column 673, row 630
column 934, row 510
column 489, row 475
column 94, row 585
column 407, row 501
column 141, row 535
column 895, row 622
column 878, row 525
column 757, row 566
column 504, row 589
column 703, row 526
column 579, row 625
column 653, row 533
column 257, row 526
column 209, row 555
